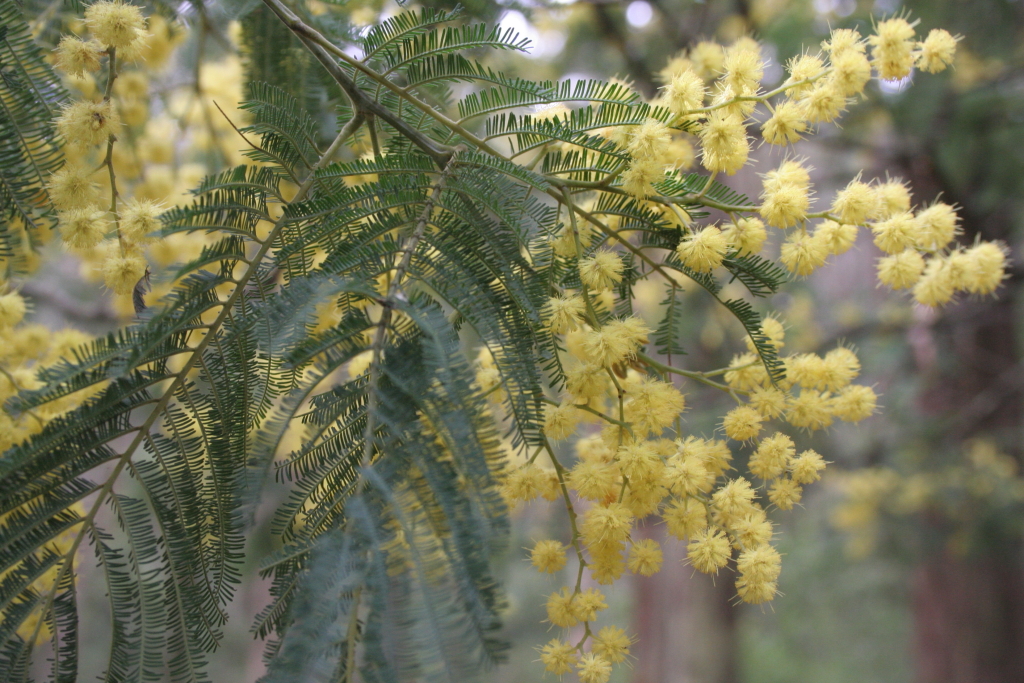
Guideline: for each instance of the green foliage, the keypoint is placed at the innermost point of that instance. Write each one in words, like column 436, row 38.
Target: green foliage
column 393, row 515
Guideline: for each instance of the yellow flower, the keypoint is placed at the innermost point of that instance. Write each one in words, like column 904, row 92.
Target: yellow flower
column 593, row 669
column 566, row 313
column 703, row 251
column 560, row 609
column 785, row 493
column 806, row 468
column 12, row 309
column 842, row 41
column 854, row 403
column 892, row 48
column 824, row 103
column 594, row 480
column 902, row 270
column 652, row 405
column 987, row 266
column 558, row 657
column 115, row 24
column 639, row 178
column 803, row 253
column 584, row 381
column 707, row 58
column 560, row 421
column 684, row 93
column 88, row 123
column 897, row 233
column 645, row 557
column 523, row 484
column 803, row 68
column 837, row 238
column 70, row 188
column 709, row 551
column 768, row 401
column 685, row 518
column 759, row 570
column 602, row 270
column 548, row 556
column 785, row 125
column 810, row 410
column 855, row 203
column 122, row 273
column 839, row 367
column 138, row 220
column 851, row 71
column 588, row 603
column 743, row 68
column 606, row 524
column 746, row 235
column 784, row 204
column 688, row 475
column 724, row 141
column 649, row 140
column 937, row 51
column 937, row 226
column 936, row 286
column 82, row 228
column 742, row 423
column 772, row 456
column 893, row 198
column 75, row 56
column 612, row 644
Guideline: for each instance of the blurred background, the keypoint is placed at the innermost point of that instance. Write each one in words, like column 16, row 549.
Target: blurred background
column 906, row 563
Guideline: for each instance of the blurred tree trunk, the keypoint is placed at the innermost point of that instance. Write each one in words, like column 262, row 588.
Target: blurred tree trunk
column 685, row 624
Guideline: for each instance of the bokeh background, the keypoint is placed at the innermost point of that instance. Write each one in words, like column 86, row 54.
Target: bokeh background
column 905, row 564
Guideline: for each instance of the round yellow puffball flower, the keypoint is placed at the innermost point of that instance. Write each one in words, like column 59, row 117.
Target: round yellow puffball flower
column 612, row 644
column 759, row 570
column 645, row 557
column 772, row 456
column 601, row 270
column 837, row 238
column 898, row 232
column 594, row 480
column 785, row 493
column 88, row 123
column 548, row 556
column 986, row 268
column 768, row 401
column 743, row 68
column 560, row 609
column 810, row 410
column 843, row 41
column 524, row 484
column 936, row 226
column 854, row 403
column 560, row 421
column 936, row 286
column 803, row 253
column 684, row 93
column 892, row 48
column 709, row 551
column 703, row 251
column 115, row 24
column 122, row 273
column 82, row 228
column 902, row 270
column 685, row 519
column 649, row 140
column 784, row 204
column 70, row 188
column 12, row 309
column 75, row 56
column 893, row 197
column 855, row 203
column 785, row 125
column 139, row 219
column 593, row 669
column 639, row 178
column 806, row 468
column 824, row 103
column 566, row 313
column 851, row 71
column 558, row 657
column 803, row 68
column 937, row 51
column 607, row 524
column 588, row 603
column 746, row 235
column 724, row 142
column 742, row 423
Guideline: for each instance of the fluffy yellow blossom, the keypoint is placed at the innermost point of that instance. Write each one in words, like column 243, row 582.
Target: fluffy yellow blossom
column 688, row 476
column 937, row 51
column 649, row 140
column 806, row 468
column 566, row 313
column 593, row 669
column 709, row 551
column 685, row 519
column 810, row 410
column 851, row 71
column 12, row 309
column 936, row 226
column 746, row 372
column 639, row 178
column 560, row 609
column 523, row 485
column 803, row 68
column 759, row 570
column 115, row 24
column 588, row 603
column 614, row 342
column 560, row 421
column 82, row 228
column 987, row 268
column 558, row 657
column 768, row 401
column 606, row 564
column 684, row 93
column 785, row 493
column 784, row 205
column 606, row 524
column 753, row 529
column 724, row 142
column 854, row 403
column 837, row 238
column 743, row 68
column 896, row 233
column 652, row 405
column 893, row 198
column 902, row 270
column 88, row 123
column 855, row 203
column 602, row 270
column 936, row 285
column 70, row 188
column 612, row 644
column 595, row 480
column 746, row 235
column 707, row 58
column 839, row 367
column 786, row 124
column 772, row 456
column 122, row 273
column 824, row 103
column 892, row 48
column 703, row 251
column 742, row 423
column 548, row 556
column 645, row 558
column 803, row 253
column 585, row 381
column 139, row 219
column 639, row 461
column 75, row 56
